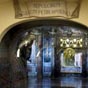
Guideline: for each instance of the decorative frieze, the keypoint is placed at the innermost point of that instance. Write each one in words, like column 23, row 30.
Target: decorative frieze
column 47, row 8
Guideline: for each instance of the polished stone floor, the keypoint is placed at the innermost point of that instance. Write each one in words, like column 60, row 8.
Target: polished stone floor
column 61, row 82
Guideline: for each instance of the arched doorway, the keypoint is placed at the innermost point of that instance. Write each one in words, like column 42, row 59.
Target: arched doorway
column 51, row 37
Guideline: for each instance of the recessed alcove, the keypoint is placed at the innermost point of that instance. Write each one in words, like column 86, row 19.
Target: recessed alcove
column 46, row 40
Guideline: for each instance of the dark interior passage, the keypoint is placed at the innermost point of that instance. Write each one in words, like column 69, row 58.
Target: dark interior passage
column 54, row 51
column 45, row 52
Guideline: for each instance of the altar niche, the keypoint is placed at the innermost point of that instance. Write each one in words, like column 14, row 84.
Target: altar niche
column 71, row 59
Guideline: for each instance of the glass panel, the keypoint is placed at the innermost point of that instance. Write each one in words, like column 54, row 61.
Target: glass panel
column 48, row 56
column 31, row 63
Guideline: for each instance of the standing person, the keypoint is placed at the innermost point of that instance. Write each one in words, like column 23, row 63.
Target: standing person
column 25, row 52
column 26, row 48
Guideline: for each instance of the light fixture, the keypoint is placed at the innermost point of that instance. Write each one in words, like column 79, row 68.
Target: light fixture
column 67, row 45
column 67, row 40
column 74, row 45
column 61, row 40
column 75, row 40
column 81, row 40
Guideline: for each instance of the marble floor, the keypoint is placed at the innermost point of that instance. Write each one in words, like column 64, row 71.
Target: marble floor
column 61, row 82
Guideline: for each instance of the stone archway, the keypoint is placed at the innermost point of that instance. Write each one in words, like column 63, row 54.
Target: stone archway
column 9, row 62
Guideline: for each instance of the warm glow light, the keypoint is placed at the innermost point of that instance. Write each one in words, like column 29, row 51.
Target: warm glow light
column 67, row 45
column 80, row 45
column 71, row 42
column 81, row 40
column 61, row 45
column 61, row 40
column 74, row 45
column 74, row 40
column 67, row 40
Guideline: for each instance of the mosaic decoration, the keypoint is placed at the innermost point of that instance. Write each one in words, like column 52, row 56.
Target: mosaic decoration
column 69, row 54
column 47, row 8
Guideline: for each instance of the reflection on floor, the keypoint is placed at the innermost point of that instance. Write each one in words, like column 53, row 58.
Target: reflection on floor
column 62, row 82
